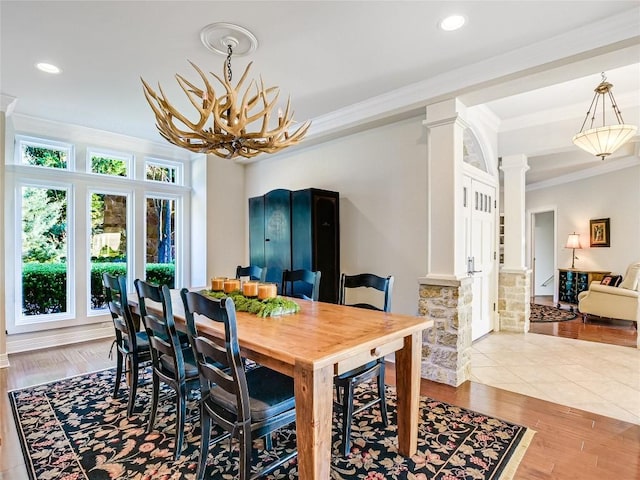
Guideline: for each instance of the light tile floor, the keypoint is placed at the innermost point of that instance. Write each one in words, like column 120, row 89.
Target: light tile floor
column 595, row 377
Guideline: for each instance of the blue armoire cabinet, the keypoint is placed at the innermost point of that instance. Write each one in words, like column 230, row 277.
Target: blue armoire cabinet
column 297, row 229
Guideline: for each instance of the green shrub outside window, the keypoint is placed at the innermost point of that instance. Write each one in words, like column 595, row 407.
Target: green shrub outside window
column 44, row 284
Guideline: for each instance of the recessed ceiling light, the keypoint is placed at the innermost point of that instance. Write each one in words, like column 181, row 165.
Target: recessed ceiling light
column 47, row 67
column 452, row 22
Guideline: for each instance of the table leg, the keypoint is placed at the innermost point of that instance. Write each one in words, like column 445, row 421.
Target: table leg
column 314, row 407
column 408, row 390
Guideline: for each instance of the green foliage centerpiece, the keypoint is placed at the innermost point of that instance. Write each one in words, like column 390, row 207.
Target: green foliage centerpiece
column 269, row 307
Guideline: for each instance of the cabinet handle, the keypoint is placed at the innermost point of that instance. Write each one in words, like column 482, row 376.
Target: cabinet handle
column 267, row 239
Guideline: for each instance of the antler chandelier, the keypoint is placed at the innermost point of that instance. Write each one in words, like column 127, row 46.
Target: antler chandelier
column 603, row 141
column 222, row 123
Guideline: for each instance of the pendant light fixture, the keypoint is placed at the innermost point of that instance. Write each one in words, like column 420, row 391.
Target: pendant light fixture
column 603, row 140
column 231, row 123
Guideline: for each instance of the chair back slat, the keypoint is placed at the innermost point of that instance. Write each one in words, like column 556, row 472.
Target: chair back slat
column 253, row 272
column 161, row 329
column 301, row 284
column 223, row 367
column 116, row 290
column 209, row 355
column 367, row 280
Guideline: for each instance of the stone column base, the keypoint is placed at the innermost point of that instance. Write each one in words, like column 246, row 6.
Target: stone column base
column 514, row 300
column 446, row 355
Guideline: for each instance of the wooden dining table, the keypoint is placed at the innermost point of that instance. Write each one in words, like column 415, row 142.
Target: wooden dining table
column 312, row 346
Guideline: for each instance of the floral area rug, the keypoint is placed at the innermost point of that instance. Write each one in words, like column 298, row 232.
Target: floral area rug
column 74, row 429
column 546, row 313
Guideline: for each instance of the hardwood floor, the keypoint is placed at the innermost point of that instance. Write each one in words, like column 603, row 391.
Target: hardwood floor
column 595, row 329
column 569, row 443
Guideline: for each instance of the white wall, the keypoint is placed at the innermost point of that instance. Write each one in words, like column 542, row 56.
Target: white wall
column 226, row 218
column 544, row 253
column 614, row 195
column 381, row 177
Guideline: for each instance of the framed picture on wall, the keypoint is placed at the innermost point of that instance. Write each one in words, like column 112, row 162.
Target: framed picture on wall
column 599, row 236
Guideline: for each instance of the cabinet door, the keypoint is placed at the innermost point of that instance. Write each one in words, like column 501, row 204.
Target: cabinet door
column 327, row 242
column 567, row 287
column 582, row 284
column 315, row 238
column 256, row 231
column 277, row 232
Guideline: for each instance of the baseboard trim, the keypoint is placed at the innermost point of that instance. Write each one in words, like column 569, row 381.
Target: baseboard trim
column 56, row 340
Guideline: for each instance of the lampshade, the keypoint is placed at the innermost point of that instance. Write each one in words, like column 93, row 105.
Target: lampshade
column 606, row 139
column 573, row 241
column 603, row 141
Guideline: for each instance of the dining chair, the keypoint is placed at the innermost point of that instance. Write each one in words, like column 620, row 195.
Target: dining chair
column 132, row 346
column 346, row 382
column 246, row 404
column 301, row 284
column 253, row 272
column 173, row 361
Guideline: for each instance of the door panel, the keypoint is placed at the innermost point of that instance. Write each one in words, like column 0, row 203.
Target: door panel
column 482, row 247
column 277, row 229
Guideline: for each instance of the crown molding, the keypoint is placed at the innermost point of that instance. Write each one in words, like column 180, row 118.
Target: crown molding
column 609, row 34
column 632, row 161
column 7, row 104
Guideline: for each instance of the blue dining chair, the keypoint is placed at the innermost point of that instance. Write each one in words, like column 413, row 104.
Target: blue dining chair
column 246, row 404
column 173, row 361
column 345, row 383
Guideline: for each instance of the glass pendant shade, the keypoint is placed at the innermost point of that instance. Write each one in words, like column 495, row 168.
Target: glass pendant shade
column 603, row 141
column 606, row 139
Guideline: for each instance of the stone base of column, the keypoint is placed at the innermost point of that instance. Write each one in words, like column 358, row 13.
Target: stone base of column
column 514, row 300
column 446, row 347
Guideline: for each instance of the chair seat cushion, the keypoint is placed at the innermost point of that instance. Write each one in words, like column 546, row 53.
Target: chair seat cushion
column 142, row 342
column 190, row 368
column 367, row 367
column 270, row 393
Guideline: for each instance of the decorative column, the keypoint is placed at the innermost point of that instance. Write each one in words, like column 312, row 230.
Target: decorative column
column 445, row 292
column 514, row 282
column 7, row 104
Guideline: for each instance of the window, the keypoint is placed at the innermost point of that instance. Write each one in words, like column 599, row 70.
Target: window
column 105, row 163
column 161, row 240
column 163, row 171
column 44, row 246
column 71, row 226
column 108, row 242
column 43, row 153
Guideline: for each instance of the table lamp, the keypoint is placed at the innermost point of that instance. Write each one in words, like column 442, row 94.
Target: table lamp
column 573, row 242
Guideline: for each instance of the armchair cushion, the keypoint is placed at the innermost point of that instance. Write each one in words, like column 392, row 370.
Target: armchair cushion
column 631, row 277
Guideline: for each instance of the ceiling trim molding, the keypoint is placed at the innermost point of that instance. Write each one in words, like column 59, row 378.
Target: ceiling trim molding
column 632, row 161
column 7, row 104
column 607, row 34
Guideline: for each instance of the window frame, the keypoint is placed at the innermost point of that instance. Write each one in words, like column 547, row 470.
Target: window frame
column 128, row 158
column 80, row 182
column 179, row 233
column 159, row 162
column 25, row 140
column 129, row 195
column 23, row 323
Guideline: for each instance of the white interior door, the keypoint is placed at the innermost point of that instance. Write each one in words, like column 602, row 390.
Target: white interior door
column 481, row 261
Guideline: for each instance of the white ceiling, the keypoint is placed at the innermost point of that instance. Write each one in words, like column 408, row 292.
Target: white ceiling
column 327, row 55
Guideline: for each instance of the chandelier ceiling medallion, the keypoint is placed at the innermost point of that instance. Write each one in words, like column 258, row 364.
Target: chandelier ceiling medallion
column 223, row 122
column 606, row 139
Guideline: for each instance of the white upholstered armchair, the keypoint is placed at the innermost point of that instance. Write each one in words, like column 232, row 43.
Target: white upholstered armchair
column 621, row 302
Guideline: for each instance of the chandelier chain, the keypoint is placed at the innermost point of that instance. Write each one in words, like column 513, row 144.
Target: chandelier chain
column 229, row 53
